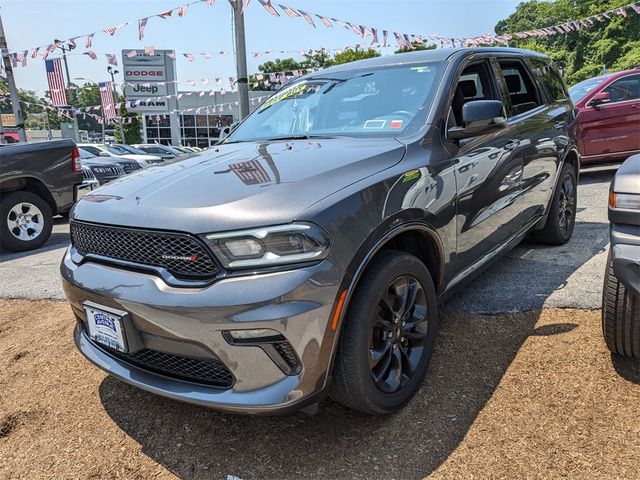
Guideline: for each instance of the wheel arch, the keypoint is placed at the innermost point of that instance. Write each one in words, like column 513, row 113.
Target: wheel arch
column 29, row 184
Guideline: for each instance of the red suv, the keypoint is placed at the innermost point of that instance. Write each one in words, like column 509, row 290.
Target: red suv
column 609, row 119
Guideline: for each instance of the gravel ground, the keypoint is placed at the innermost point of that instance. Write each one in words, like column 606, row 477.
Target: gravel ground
column 529, row 277
column 521, row 395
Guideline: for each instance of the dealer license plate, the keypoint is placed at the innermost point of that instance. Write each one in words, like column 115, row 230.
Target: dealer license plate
column 105, row 328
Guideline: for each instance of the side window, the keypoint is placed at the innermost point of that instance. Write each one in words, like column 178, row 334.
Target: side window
column 520, row 86
column 550, row 79
column 625, row 88
column 475, row 83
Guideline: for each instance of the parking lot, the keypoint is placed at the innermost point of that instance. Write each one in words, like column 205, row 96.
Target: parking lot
column 518, row 350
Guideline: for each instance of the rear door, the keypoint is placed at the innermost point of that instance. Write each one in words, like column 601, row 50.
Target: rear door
column 539, row 125
column 613, row 127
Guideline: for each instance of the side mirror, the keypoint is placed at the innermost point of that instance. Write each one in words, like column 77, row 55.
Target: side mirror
column 479, row 117
column 600, row 98
column 104, row 154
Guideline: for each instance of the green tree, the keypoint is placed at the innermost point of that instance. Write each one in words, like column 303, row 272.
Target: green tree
column 612, row 44
column 132, row 133
column 351, row 55
column 415, row 46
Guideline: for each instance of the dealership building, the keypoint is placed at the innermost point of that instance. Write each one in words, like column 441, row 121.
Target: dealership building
column 150, row 79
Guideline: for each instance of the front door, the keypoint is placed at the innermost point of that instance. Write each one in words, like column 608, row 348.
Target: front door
column 612, row 127
column 488, row 175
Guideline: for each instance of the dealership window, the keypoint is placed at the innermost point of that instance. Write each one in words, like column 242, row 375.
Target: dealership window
column 158, row 129
column 202, row 130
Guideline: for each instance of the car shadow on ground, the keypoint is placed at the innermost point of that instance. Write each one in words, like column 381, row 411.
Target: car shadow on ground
column 472, row 354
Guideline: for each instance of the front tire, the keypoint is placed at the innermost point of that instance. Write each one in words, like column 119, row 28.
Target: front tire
column 388, row 335
column 620, row 316
column 26, row 221
column 562, row 210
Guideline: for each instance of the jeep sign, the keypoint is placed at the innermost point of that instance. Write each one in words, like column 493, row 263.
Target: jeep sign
column 149, row 79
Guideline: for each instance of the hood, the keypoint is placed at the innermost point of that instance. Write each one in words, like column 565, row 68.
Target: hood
column 240, row 185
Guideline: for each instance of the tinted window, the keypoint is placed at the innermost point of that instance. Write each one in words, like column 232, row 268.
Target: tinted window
column 520, row 86
column 550, row 79
column 93, row 150
column 625, row 88
column 363, row 102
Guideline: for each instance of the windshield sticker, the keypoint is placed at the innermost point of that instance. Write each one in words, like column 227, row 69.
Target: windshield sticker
column 396, row 124
column 374, row 124
column 294, row 90
column 422, row 69
column 411, row 175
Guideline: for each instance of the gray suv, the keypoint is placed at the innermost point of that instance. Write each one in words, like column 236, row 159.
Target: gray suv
column 306, row 254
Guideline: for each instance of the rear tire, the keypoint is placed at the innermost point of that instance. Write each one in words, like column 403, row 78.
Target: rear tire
column 562, row 210
column 26, row 221
column 620, row 316
column 385, row 347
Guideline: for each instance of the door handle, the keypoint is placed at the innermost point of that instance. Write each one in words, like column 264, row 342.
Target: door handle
column 511, row 145
column 636, row 106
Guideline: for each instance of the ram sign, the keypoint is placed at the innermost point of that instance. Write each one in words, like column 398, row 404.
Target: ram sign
column 148, row 77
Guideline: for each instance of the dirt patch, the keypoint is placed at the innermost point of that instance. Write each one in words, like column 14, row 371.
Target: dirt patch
column 507, row 396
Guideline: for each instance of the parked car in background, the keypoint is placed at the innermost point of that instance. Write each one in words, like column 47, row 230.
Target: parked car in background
column 129, row 165
column 37, row 181
column 306, row 253
column 102, row 168
column 609, row 116
column 163, row 151
column 142, row 157
column 621, row 291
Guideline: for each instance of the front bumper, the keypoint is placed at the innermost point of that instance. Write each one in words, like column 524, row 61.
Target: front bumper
column 190, row 321
column 625, row 254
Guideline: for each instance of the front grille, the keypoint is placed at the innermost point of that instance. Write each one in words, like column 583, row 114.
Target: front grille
column 182, row 255
column 197, row 370
column 130, row 167
column 88, row 174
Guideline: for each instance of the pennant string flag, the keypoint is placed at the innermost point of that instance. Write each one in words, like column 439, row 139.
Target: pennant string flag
column 141, row 24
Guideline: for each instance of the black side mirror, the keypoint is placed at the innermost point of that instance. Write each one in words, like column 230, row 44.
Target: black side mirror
column 479, row 117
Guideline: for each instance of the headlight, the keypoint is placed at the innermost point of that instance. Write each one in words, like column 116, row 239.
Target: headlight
column 264, row 247
column 99, row 170
column 628, row 201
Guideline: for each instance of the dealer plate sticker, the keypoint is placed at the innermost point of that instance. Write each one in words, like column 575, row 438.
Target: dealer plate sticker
column 105, row 328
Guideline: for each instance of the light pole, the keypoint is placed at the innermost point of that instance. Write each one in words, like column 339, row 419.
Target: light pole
column 76, row 129
column 241, row 59
column 101, row 108
column 112, row 71
column 13, row 91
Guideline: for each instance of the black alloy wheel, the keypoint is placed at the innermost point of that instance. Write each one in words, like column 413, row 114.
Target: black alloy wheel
column 398, row 334
column 567, row 204
column 387, row 336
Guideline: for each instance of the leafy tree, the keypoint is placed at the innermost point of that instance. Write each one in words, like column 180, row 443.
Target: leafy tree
column 416, row 46
column 351, row 55
column 612, row 44
column 132, row 133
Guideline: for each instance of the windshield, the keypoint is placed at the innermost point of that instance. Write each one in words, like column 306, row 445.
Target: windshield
column 367, row 102
column 117, row 150
column 84, row 154
column 580, row 90
column 130, row 149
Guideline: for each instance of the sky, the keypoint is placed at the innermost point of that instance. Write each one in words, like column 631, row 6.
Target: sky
column 204, row 28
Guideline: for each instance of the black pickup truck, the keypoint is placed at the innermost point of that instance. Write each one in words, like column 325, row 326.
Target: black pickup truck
column 37, row 181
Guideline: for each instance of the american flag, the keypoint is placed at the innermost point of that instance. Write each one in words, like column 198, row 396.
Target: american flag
column 269, row 8
column 307, row 17
column 251, row 172
column 56, row 82
column 325, row 21
column 289, row 11
column 106, row 98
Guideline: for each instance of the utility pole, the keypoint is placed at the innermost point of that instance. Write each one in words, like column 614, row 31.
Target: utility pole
column 241, row 58
column 113, row 72
column 13, row 91
column 76, row 129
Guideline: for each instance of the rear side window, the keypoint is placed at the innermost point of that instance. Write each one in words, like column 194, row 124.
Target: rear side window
column 625, row 88
column 520, row 86
column 550, row 79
